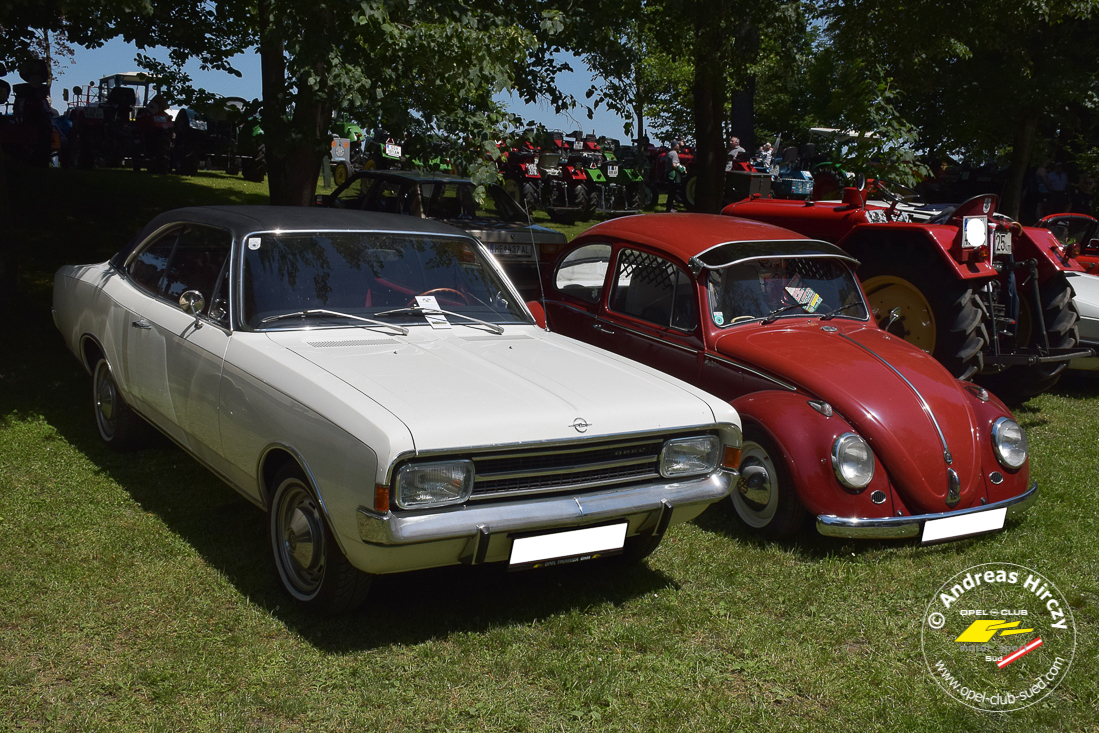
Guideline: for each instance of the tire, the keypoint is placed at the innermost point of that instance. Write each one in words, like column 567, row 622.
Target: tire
column 563, row 216
column 341, row 172
column 232, row 164
column 160, row 152
column 118, row 425
column 635, row 196
column 1059, row 313
column 512, row 188
column 765, row 500
column 255, row 169
column 690, row 192
column 85, row 150
column 310, row 564
column 938, row 312
column 578, row 196
column 651, row 196
column 531, row 199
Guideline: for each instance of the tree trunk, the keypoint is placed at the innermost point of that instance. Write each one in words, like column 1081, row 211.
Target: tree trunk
column 9, row 261
column 710, row 95
column 743, row 117
column 1020, row 160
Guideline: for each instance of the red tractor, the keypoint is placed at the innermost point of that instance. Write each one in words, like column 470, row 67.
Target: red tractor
column 127, row 120
column 518, row 166
column 984, row 295
column 564, row 185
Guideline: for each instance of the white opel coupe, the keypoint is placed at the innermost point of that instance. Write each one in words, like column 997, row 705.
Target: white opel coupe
column 376, row 384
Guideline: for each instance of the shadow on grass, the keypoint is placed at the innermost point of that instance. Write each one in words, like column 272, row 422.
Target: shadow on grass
column 229, row 533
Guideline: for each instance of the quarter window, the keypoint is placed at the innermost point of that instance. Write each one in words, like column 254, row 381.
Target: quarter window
column 583, row 272
column 653, row 289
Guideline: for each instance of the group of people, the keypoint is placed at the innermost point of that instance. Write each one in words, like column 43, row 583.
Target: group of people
column 675, row 171
column 1054, row 196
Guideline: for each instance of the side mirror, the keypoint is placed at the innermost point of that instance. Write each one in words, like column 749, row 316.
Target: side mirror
column 860, row 181
column 539, row 313
column 192, row 302
column 852, row 198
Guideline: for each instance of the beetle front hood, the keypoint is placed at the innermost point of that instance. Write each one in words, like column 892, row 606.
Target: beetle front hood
column 853, row 370
column 468, row 387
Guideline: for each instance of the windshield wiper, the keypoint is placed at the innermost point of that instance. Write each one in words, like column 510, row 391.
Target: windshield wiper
column 321, row 312
column 832, row 313
column 436, row 311
column 773, row 315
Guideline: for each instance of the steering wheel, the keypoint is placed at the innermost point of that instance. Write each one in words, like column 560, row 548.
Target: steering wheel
column 465, row 300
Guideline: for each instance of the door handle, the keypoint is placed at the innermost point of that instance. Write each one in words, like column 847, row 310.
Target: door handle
column 142, row 323
column 604, row 329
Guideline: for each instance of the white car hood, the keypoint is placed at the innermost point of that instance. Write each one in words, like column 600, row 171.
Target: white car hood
column 465, row 387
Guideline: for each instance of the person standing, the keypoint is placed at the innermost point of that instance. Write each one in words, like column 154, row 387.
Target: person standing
column 674, row 171
column 1082, row 196
column 1041, row 180
column 734, row 148
column 1058, row 189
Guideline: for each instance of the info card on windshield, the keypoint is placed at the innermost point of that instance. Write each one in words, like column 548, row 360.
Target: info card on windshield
column 435, row 320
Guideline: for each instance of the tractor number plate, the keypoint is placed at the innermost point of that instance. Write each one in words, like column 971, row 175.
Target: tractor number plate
column 578, row 145
column 392, row 151
column 1001, row 243
column 199, row 125
column 728, row 166
column 612, row 171
column 93, row 113
column 532, row 169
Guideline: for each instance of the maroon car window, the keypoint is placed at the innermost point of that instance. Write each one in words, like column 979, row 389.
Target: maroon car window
column 147, row 269
column 198, row 259
column 653, row 289
column 584, row 271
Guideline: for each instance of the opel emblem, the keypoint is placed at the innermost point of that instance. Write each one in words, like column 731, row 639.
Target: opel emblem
column 581, row 425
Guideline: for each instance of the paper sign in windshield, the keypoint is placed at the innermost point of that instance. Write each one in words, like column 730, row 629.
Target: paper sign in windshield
column 435, row 320
column 804, row 295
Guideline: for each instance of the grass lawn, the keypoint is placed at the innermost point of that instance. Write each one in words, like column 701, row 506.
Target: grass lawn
column 137, row 592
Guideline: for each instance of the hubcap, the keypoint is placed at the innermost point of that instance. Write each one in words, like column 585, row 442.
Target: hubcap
column 756, row 497
column 105, row 399
column 301, row 535
column 916, row 324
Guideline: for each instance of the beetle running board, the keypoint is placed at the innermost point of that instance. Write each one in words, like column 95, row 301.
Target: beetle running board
column 1025, row 359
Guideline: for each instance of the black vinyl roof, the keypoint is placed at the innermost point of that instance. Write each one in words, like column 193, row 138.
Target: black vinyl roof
column 243, row 220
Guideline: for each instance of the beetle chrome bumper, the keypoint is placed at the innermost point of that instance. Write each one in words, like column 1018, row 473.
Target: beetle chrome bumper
column 911, row 526
column 476, row 533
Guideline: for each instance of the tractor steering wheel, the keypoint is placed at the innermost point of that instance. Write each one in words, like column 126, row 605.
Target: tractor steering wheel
column 465, row 300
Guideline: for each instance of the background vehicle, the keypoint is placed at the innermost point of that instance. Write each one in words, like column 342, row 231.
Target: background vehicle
column 378, row 388
column 1080, row 233
column 982, row 294
column 522, row 179
column 841, row 420
column 564, row 186
column 127, row 120
column 499, row 222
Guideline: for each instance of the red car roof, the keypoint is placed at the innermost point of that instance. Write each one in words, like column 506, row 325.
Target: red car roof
column 686, row 235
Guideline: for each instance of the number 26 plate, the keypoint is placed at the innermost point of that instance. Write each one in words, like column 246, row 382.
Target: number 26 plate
column 1001, row 243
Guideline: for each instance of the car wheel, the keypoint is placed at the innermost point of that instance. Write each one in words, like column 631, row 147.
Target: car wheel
column 937, row 312
column 311, row 566
column 1059, row 313
column 118, row 425
column 764, row 497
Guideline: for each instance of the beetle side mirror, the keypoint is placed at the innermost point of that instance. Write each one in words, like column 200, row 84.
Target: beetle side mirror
column 192, row 302
column 538, row 312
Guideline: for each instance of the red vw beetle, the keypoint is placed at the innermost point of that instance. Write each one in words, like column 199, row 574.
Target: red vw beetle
column 842, row 421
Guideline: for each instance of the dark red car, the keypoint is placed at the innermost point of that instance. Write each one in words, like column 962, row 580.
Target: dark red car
column 842, row 421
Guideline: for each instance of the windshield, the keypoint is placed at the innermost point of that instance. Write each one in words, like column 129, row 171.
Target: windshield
column 455, row 200
column 784, row 287
column 365, row 273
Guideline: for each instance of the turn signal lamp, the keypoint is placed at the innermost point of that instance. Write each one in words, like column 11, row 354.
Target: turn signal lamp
column 731, row 458
column 381, row 498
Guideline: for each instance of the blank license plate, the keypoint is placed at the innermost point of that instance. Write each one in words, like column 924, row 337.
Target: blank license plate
column 949, row 528
column 571, row 546
column 1001, row 243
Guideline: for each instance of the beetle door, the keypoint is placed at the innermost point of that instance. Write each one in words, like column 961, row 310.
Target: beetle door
column 579, row 283
column 652, row 314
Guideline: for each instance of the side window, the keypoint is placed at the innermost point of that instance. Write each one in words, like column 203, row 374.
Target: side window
column 386, row 197
column 200, row 256
column 655, row 290
column 147, row 270
column 352, row 196
column 584, row 271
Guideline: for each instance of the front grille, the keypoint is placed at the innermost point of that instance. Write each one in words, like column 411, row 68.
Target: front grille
column 572, row 467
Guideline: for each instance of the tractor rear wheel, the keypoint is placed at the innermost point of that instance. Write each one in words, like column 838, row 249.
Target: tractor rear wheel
column 160, row 152
column 690, row 192
column 635, row 196
column 511, row 187
column 1059, row 313
column 579, row 196
column 935, row 310
column 530, row 198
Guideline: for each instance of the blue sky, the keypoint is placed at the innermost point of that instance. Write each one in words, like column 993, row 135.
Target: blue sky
column 117, row 56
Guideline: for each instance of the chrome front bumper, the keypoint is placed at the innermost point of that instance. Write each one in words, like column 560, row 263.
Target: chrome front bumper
column 476, row 533
column 885, row 528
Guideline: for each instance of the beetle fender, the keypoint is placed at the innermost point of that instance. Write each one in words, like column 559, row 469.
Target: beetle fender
column 805, row 437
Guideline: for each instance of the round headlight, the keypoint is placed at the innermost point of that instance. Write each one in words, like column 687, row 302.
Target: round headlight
column 1009, row 440
column 853, row 461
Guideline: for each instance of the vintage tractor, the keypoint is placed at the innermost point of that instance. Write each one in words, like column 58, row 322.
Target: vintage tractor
column 617, row 188
column 381, row 151
column 28, row 133
column 522, row 179
column 984, row 295
column 346, row 151
column 125, row 119
column 564, row 186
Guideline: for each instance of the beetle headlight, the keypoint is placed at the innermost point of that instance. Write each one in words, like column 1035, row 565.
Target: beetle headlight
column 690, row 456
column 853, row 461
column 434, row 484
column 1009, row 440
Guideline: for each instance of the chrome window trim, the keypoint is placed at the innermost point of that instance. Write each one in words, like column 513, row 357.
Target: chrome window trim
column 237, row 286
column 750, row 370
column 651, row 337
column 696, row 262
column 923, row 403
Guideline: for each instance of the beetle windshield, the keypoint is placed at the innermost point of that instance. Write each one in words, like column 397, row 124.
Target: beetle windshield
column 365, row 273
column 795, row 286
